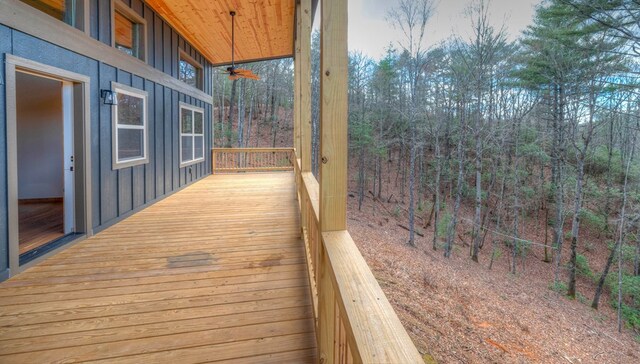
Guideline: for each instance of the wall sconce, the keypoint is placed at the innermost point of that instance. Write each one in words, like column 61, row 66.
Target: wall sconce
column 109, row 97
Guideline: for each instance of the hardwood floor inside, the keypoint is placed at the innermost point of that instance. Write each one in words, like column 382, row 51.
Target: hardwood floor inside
column 41, row 221
column 213, row 273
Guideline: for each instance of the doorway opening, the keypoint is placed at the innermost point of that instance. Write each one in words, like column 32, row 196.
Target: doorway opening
column 47, row 113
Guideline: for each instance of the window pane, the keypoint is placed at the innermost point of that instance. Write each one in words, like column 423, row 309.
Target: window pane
column 189, row 73
column 68, row 11
column 187, row 121
column 124, row 33
column 130, row 144
column 187, row 148
column 199, row 147
column 55, row 8
column 130, row 110
column 198, row 123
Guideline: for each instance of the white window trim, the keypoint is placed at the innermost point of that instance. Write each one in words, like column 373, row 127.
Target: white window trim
column 126, row 90
column 192, row 108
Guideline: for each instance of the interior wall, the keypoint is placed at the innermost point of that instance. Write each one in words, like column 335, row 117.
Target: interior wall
column 40, row 132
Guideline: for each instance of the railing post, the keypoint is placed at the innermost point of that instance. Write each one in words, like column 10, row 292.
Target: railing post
column 326, row 311
column 213, row 161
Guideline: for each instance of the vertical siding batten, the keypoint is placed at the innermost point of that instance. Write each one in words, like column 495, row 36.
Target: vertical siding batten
column 149, row 17
column 104, row 21
column 168, row 141
column 125, row 190
column 108, row 177
column 150, row 168
column 138, row 179
column 166, row 48
column 161, row 177
column 158, row 41
column 174, row 121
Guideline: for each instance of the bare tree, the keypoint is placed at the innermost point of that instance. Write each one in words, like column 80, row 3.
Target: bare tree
column 411, row 16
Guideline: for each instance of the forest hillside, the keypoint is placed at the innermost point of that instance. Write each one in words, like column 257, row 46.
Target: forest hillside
column 494, row 184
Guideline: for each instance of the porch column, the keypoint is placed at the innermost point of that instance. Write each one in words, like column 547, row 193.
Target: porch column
column 296, row 83
column 305, row 85
column 333, row 159
column 334, row 61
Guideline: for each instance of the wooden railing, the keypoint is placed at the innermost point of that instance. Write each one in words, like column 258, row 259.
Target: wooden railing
column 229, row 160
column 355, row 322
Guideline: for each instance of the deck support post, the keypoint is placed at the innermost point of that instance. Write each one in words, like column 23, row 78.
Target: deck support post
column 334, row 62
column 296, row 82
column 305, row 85
column 303, row 91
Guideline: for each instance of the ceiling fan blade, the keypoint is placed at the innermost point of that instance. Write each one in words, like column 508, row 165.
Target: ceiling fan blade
column 234, row 77
column 247, row 74
column 252, row 76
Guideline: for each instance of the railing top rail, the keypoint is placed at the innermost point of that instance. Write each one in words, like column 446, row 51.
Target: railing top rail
column 374, row 332
column 313, row 188
column 257, row 150
column 231, row 160
column 378, row 333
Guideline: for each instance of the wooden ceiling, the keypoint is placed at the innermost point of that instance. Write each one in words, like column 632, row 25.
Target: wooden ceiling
column 264, row 28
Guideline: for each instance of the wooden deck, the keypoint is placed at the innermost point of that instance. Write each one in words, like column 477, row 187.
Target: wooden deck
column 213, row 273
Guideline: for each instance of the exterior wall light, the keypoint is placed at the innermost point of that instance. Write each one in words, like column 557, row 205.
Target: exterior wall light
column 109, row 97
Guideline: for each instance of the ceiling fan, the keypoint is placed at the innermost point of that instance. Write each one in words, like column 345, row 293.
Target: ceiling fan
column 234, row 72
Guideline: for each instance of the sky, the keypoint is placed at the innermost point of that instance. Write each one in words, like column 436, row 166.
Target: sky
column 370, row 33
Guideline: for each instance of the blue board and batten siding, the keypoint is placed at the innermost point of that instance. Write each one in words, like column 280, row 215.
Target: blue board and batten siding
column 117, row 193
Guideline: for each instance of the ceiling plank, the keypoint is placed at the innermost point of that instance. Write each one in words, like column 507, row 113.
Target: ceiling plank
column 264, row 28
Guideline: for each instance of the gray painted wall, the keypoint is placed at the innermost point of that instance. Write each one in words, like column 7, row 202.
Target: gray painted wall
column 40, row 132
column 117, row 193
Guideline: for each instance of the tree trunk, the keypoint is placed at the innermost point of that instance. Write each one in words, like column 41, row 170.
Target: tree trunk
column 516, row 197
column 499, row 216
column 436, row 188
column 607, row 203
column 559, row 190
column 412, row 181
column 361, row 177
column 274, row 122
column 230, row 119
column 622, row 232
column 250, row 123
column 478, row 199
column 575, row 226
column 451, row 231
column 241, row 113
column 636, row 259
column 603, row 277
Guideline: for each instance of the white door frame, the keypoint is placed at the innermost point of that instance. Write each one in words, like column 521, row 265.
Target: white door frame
column 68, row 157
column 15, row 64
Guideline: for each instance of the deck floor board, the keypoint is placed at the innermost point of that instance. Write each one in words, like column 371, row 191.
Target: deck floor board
column 215, row 272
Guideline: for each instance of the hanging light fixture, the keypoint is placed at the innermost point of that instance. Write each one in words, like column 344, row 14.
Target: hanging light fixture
column 109, row 97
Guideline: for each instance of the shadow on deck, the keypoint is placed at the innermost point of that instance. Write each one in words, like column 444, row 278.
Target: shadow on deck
column 215, row 272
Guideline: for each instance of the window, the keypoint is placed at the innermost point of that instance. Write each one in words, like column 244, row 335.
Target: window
column 128, row 31
column 191, row 134
column 71, row 12
column 190, row 71
column 129, row 127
